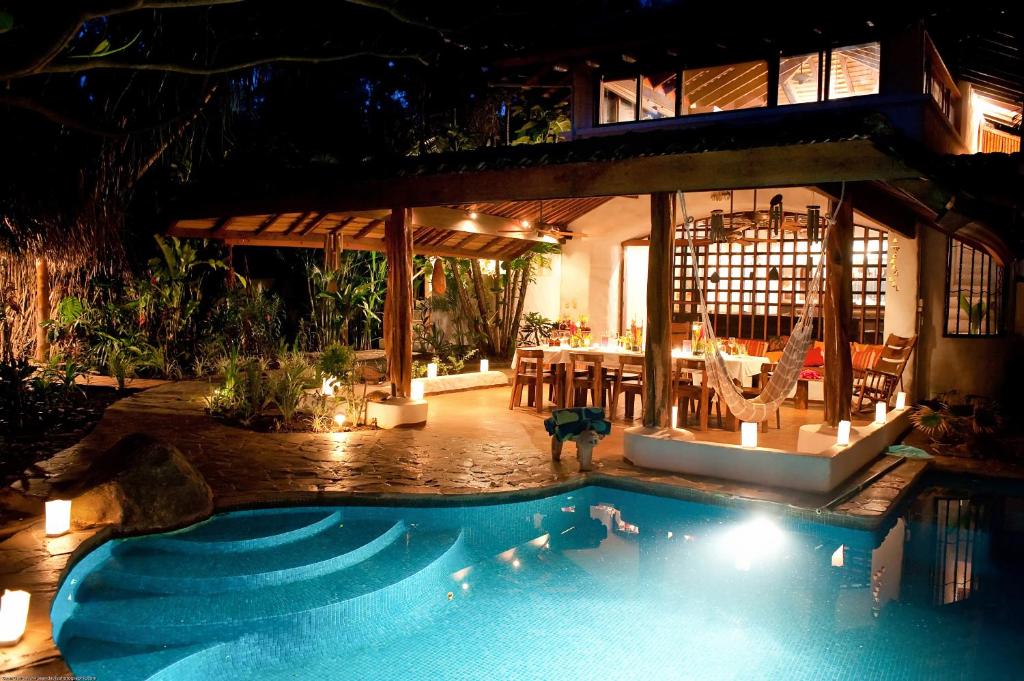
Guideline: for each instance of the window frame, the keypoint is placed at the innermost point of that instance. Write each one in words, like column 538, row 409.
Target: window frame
column 1000, row 293
column 771, row 61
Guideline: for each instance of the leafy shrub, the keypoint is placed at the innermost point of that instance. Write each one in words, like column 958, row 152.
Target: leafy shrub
column 288, row 387
column 337, row 360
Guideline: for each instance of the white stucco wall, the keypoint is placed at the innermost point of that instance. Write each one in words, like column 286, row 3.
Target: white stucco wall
column 544, row 295
column 981, row 366
column 901, row 297
column 592, row 266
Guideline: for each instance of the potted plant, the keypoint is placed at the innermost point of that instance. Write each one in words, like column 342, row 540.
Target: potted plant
column 958, row 424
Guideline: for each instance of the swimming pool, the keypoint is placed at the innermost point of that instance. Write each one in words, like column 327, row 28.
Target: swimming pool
column 594, row 583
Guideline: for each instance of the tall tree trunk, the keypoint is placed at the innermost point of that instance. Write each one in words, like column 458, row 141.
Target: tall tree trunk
column 838, row 316
column 658, row 342
column 42, row 308
column 483, row 305
column 465, row 307
column 524, row 283
column 398, row 303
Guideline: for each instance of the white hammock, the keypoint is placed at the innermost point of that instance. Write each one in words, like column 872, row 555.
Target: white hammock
column 790, row 365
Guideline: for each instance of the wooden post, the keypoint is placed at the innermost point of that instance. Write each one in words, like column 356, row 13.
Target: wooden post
column 398, row 302
column 658, row 343
column 42, row 309
column 838, row 317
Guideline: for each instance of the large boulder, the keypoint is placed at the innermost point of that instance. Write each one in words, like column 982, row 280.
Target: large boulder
column 140, row 485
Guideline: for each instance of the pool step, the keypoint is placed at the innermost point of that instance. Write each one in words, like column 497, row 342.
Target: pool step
column 134, row 566
column 242, row 531
column 413, row 570
column 107, row 660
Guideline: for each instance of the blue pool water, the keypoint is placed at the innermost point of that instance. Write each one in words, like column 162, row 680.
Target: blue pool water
column 598, row 583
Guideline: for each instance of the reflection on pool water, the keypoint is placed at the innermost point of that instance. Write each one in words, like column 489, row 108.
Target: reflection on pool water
column 596, row 583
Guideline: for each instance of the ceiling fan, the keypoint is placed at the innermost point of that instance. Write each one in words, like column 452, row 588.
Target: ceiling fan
column 541, row 228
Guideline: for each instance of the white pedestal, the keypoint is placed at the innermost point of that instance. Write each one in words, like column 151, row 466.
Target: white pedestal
column 818, row 437
column 398, row 411
column 467, row 381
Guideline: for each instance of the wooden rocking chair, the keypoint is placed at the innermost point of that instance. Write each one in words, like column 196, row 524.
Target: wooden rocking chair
column 878, row 384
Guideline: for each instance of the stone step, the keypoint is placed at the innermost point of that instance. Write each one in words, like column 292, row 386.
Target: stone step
column 414, row 570
column 243, row 531
column 134, row 566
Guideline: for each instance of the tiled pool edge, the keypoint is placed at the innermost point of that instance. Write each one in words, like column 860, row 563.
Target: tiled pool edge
column 48, row 657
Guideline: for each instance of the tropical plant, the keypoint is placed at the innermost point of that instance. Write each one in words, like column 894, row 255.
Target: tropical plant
column 336, row 360
column 975, row 313
column 288, row 387
column 250, row 316
column 958, row 420
column 63, row 372
column 535, row 328
column 371, row 306
column 120, row 365
column 491, row 302
column 542, row 123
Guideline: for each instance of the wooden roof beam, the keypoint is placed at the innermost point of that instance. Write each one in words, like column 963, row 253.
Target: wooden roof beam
column 277, row 240
column 219, row 227
column 310, row 226
column 341, row 224
column 766, row 166
column 367, row 228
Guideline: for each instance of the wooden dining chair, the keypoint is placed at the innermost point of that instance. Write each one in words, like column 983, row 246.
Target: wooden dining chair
column 529, row 373
column 587, row 375
column 767, row 369
column 629, row 381
column 688, row 393
column 878, row 383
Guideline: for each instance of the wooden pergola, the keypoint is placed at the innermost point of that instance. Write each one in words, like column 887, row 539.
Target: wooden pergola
column 422, row 206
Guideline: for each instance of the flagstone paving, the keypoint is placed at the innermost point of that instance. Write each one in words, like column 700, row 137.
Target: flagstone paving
column 473, row 445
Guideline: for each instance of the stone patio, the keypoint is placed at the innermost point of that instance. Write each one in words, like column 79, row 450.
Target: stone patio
column 472, row 446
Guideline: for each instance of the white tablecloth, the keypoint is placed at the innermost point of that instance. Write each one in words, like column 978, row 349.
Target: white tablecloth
column 741, row 367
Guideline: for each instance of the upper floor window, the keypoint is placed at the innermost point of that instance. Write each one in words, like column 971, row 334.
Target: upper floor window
column 800, row 78
column 841, row 72
column 974, row 291
column 854, row 71
column 666, row 94
column 658, row 95
column 618, row 100
column 725, row 88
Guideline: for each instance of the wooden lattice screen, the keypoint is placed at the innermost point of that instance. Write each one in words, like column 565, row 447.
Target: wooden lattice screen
column 756, row 284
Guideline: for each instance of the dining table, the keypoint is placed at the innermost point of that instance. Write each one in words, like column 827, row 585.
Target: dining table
column 743, row 368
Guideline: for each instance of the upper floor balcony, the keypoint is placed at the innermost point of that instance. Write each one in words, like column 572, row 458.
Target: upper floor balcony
column 902, row 77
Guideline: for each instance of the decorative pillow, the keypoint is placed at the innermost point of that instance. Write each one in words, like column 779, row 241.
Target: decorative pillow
column 777, row 343
column 864, row 356
column 815, row 357
column 756, row 348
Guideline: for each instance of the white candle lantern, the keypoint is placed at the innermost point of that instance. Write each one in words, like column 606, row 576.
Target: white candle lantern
column 432, row 370
column 58, row 517
column 13, row 616
column 880, row 412
column 901, row 400
column 416, row 392
column 748, row 434
column 675, row 416
column 485, row 365
column 843, row 434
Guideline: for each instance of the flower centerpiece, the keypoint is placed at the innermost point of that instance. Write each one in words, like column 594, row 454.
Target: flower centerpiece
column 697, row 335
column 635, row 338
